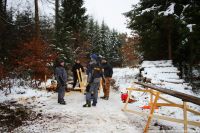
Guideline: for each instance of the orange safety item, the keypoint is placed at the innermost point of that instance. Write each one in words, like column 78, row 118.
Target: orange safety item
column 148, row 107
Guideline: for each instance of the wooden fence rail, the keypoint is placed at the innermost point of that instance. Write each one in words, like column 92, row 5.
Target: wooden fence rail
column 155, row 95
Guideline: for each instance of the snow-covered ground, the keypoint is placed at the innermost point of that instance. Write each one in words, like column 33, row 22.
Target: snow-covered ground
column 164, row 74
column 107, row 117
column 104, row 118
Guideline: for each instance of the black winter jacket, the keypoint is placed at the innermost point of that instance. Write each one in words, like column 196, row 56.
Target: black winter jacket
column 108, row 70
column 75, row 67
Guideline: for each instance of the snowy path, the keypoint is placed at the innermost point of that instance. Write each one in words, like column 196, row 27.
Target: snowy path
column 106, row 117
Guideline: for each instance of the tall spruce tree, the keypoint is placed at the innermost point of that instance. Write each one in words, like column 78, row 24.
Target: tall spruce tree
column 73, row 22
column 96, row 46
column 114, row 47
column 104, row 40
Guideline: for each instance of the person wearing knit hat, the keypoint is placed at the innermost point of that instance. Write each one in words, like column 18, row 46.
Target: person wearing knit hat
column 107, row 76
column 93, row 56
column 61, row 78
column 94, row 73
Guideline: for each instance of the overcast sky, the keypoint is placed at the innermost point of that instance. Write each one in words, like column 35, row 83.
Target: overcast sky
column 108, row 10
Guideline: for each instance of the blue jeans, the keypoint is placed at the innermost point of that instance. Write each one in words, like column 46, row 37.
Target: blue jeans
column 93, row 92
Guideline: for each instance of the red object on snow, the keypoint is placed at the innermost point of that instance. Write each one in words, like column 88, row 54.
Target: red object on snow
column 148, row 107
column 124, row 96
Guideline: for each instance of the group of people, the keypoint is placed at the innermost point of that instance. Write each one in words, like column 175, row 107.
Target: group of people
column 98, row 69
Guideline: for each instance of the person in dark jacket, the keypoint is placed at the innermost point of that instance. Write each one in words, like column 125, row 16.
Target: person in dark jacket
column 77, row 66
column 61, row 78
column 107, row 75
column 94, row 73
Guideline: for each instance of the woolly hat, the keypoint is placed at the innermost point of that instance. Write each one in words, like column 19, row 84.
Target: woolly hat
column 93, row 56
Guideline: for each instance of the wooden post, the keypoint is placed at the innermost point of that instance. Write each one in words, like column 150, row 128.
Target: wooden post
column 151, row 99
column 79, row 79
column 185, row 116
column 81, row 75
column 152, row 111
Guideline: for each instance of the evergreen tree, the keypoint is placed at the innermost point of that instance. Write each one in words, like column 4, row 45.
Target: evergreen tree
column 91, row 31
column 96, row 46
column 114, row 47
column 191, row 16
column 104, row 40
column 162, row 27
column 73, row 22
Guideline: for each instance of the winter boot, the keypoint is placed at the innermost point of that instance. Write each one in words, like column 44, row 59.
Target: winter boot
column 106, row 98
column 94, row 104
column 88, row 104
column 63, row 103
column 102, row 97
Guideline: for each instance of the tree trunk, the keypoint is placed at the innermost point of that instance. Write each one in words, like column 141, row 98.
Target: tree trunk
column 5, row 5
column 169, row 45
column 1, row 7
column 37, row 26
column 56, row 15
column 169, row 38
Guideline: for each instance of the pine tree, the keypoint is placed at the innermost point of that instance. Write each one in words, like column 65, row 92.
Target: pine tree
column 96, row 46
column 73, row 22
column 91, row 31
column 114, row 47
column 104, row 40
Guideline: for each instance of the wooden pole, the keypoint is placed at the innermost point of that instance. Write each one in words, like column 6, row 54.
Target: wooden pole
column 81, row 73
column 151, row 112
column 154, row 102
column 151, row 99
column 177, row 94
column 79, row 79
column 188, row 109
column 185, row 116
column 164, row 118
